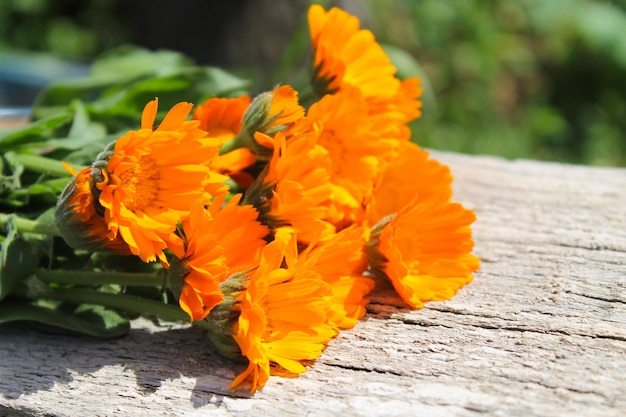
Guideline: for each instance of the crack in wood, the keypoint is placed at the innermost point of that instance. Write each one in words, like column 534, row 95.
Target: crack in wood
column 596, row 297
column 356, row 368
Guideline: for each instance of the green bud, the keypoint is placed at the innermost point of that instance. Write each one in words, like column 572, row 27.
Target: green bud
column 223, row 317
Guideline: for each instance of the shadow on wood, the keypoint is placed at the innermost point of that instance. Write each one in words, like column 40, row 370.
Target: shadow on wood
column 540, row 331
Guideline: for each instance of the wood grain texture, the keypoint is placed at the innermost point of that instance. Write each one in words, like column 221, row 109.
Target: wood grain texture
column 541, row 330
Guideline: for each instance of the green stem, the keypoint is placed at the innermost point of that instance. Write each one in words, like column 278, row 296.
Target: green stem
column 124, row 302
column 239, row 141
column 41, row 164
column 28, row 226
column 137, row 279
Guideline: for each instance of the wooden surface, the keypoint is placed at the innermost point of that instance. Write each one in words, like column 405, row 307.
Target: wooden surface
column 540, row 332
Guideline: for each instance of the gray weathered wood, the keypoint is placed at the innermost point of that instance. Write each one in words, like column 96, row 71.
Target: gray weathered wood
column 541, row 331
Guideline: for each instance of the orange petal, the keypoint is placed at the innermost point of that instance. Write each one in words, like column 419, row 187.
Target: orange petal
column 149, row 114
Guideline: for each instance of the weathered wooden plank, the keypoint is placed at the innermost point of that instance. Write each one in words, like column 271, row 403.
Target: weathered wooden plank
column 541, row 330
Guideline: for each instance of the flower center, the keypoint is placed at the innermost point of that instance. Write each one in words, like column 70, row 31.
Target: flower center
column 140, row 184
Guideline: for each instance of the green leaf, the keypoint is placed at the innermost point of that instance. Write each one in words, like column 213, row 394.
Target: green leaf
column 57, row 96
column 217, row 82
column 45, row 241
column 41, row 194
column 121, row 83
column 131, row 101
column 35, row 132
column 189, row 84
column 36, row 163
column 55, row 185
column 83, row 132
column 131, row 75
column 30, row 183
column 131, row 62
column 18, row 258
column 11, row 182
column 116, row 68
column 103, row 318
column 92, row 321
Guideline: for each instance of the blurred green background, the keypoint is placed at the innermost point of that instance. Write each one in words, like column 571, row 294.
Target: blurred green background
column 540, row 79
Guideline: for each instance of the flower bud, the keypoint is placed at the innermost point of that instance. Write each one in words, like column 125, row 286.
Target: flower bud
column 79, row 215
column 269, row 113
column 225, row 315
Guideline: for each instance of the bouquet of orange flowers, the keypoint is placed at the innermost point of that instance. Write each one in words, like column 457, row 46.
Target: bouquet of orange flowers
column 271, row 217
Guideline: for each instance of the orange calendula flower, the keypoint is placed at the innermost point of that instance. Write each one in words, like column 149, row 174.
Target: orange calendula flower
column 270, row 112
column 283, row 113
column 354, row 147
column 345, row 55
column 283, row 316
column 341, row 262
column 425, row 249
column 294, row 189
column 78, row 220
column 219, row 241
column 151, row 177
column 391, row 113
column 222, row 118
column 412, row 172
